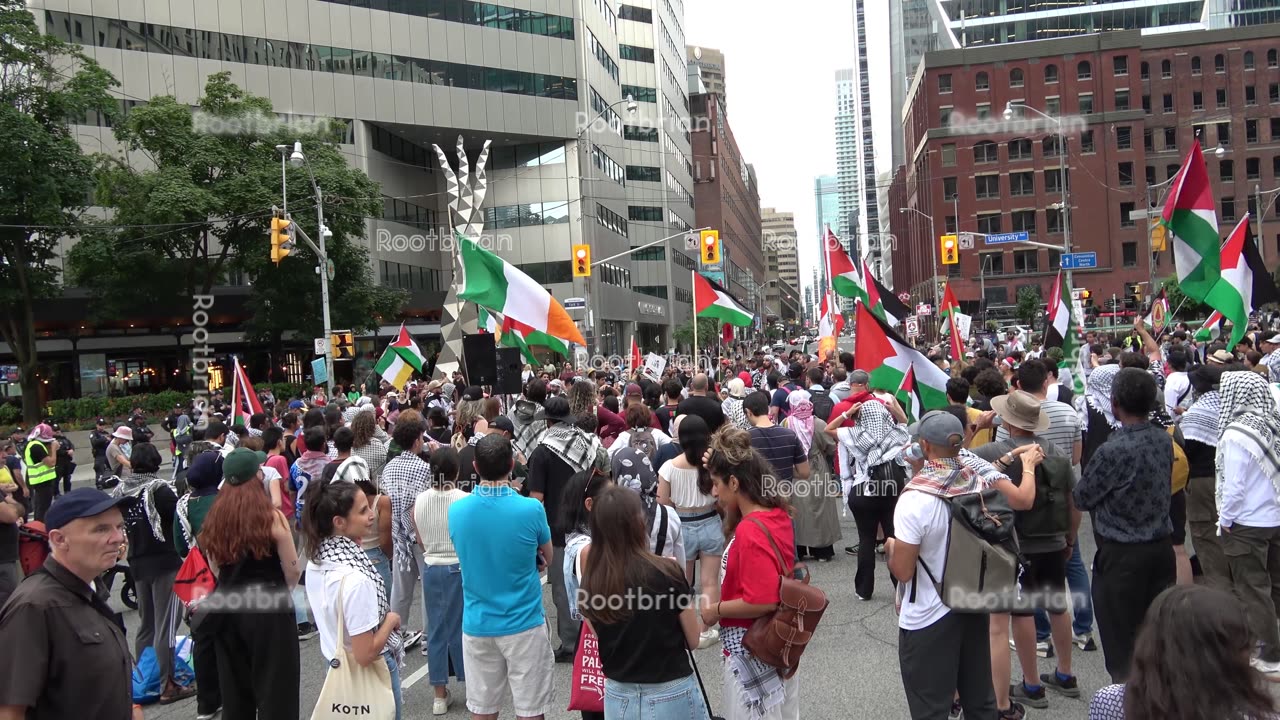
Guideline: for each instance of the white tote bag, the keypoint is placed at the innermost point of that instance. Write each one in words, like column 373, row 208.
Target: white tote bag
column 350, row 689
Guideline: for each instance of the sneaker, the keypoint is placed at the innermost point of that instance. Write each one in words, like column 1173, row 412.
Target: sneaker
column 209, row 716
column 306, row 631
column 411, row 640
column 880, row 548
column 1035, row 699
column 1269, row 670
column 1085, row 642
column 1015, row 711
column 1044, row 649
column 851, row 550
column 957, row 712
column 710, row 637
column 863, row 599
column 1068, row 687
column 441, row 704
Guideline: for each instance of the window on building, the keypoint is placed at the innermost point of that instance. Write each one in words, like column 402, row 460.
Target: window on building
column 1015, row 78
column 1086, row 104
column 1252, row 168
column 1129, row 254
column 1171, row 138
column 992, row 263
column 1253, row 206
column 1251, row 131
column 1050, row 73
column 987, row 186
column 1022, row 183
column 949, row 189
column 1122, row 100
column 1053, row 220
column 1020, row 149
column 1227, row 208
column 1125, row 209
column 1275, row 129
column 1024, row 221
column 640, row 134
column 989, row 223
column 1120, row 65
column 1224, row 133
column 1125, row 172
column 1052, row 106
column 640, row 94
column 1221, row 96
column 1053, row 181
column 1026, row 261
column 1273, row 93
column 1050, row 146
column 1166, row 69
column 1170, row 171
column 1250, row 95
column 1148, row 140
column 1168, row 102
column 1086, row 141
column 1144, row 70
column 1195, row 64
column 1220, row 63
column 986, row 152
column 1197, row 100
column 1146, row 104
column 1084, row 71
column 949, row 224
column 1151, row 175
column 643, row 173
column 944, row 117
column 983, row 110
column 1124, row 137
column 982, row 81
column 944, row 83
column 636, row 14
column 1248, row 59
column 1273, row 59
column 948, row 155
column 644, row 213
column 1275, row 167
column 635, row 52
column 1226, row 170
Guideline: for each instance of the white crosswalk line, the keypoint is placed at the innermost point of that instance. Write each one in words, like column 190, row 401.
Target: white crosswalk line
column 406, row 683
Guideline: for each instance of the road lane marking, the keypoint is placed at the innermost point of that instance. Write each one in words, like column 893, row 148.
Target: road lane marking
column 413, row 679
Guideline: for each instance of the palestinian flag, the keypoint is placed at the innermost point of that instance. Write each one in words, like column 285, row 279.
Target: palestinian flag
column 401, row 358
column 846, row 276
column 889, row 359
column 1158, row 315
column 1245, row 284
column 244, row 401
column 909, row 396
column 711, row 300
column 895, row 311
column 495, row 284
column 636, row 361
column 1191, row 216
column 950, row 307
column 507, row 332
column 1061, row 330
column 1211, row 329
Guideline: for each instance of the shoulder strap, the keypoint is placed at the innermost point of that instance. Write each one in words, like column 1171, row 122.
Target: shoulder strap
column 781, row 561
column 662, row 531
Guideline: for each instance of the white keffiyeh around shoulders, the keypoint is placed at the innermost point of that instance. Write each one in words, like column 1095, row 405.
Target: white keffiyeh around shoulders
column 1248, row 420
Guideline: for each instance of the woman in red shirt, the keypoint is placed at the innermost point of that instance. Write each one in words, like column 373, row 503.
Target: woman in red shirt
column 757, row 518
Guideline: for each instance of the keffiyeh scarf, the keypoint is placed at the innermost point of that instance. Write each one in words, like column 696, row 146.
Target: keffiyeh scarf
column 1248, row 420
column 945, row 478
column 733, row 413
column 1097, row 392
column 579, row 450
column 1200, row 421
column 874, row 440
column 801, row 418
column 762, row 688
column 143, row 486
column 341, row 550
column 1272, row 361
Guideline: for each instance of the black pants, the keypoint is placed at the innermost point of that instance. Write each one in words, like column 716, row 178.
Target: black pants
column 951, row 656
column 258, row 665
column 205, row 656
column 1126, row 578
column 42, row 498
column 871, row 512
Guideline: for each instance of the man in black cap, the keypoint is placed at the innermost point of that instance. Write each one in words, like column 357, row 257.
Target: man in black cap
column 67, row 651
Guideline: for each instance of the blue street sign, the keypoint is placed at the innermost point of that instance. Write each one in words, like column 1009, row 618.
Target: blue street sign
column 996, row 239
column 1079, row 261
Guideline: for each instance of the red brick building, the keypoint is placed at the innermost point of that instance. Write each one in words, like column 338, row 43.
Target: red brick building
column 1130, row 107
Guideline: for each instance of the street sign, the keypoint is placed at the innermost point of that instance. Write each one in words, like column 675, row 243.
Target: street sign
column 966, row 241
column 1013, row 237
column 691, row 241
column 320, row 346
column 905, row 297
column 924, row 309
column 330, row 269
column 319, row 371
column 575, row 303
column 1079, row 261
column 913, row 326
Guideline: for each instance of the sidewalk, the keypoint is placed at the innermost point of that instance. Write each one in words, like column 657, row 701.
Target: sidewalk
column 83, row 475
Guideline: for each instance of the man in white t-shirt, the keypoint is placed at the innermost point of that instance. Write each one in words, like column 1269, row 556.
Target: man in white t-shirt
column 1177, row 385
column 940, row 653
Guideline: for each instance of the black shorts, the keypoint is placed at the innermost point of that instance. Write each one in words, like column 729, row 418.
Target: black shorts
column 1178, row 517
column 1044, row 583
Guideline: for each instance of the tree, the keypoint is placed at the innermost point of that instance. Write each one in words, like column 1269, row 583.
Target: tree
column 1173, row 291
column 708, row 334
column 1028, row 305
column 44, row 175
column 211, row 195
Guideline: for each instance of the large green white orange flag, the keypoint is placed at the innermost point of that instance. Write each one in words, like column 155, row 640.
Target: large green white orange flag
column 495, row 284
column 509, row 333
column 1191, row 215
column 878, row 350
column 846, row 276
column 1245, row 284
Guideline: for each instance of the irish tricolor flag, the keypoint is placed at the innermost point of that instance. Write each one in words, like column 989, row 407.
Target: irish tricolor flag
column 1191, row 215
column 889, row 359
column 495, row 284
column 711, row 300
column 1245, row 283
column 401, row 358
column 951, row 306
column 510, row 333
column 846, row 276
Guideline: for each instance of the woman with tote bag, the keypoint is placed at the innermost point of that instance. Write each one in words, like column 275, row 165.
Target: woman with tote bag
column 358, row 633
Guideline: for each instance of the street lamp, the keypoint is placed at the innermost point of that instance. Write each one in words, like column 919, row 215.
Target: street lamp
column 1062, row 172
column 933, row 253
column 298, row 159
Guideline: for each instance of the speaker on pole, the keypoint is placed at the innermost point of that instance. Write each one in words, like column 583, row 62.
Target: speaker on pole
column 480, row 360
column 510, row 370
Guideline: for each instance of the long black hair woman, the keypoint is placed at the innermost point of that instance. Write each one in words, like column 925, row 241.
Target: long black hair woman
column 577, row 500
column 1190, row 662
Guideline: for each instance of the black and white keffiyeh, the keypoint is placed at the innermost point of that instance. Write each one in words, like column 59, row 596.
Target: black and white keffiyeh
column 762, row 688
column 143, row 486
column 1272, row 361
column 578, row 449
column 341, row 550
column 1248, row 419
column 1097, row 392
column 874, row 440
column 1200, row 421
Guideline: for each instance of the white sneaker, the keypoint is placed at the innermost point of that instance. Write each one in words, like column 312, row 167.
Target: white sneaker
column 1269, row 670
column 411, row 640
column 710, row 637
column 441, row 704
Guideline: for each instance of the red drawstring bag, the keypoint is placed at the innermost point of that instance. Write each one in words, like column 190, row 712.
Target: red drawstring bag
column 195, row 579
column 587, row 692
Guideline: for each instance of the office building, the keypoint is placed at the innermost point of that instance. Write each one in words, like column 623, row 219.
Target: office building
column 778, row 240
column 848, row 167
column 710, row 64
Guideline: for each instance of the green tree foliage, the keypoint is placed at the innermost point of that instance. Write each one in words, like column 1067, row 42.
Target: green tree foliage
column 1028, row 305
column 198, row 204
column 45, row 178
column 708, row 334
column 1191, row 309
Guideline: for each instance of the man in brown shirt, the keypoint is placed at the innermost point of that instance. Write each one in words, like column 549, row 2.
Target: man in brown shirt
column 66, row 657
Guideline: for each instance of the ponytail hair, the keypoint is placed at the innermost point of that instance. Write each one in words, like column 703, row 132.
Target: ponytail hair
column 321, row 503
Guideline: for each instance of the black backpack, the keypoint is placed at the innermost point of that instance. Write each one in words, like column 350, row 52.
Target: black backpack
column 1051, row 513
column 822, row 404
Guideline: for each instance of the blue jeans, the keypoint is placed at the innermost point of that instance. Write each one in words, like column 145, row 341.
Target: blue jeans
column 382, row 564
column 442, row 591
column 1081, row 601
column 674, row 700
column 395, row 680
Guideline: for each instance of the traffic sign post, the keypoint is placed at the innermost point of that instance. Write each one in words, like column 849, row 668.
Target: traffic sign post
column 1013, row 237
column 1079, row 261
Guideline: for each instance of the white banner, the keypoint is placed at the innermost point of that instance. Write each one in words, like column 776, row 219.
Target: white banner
column 654, row 365
column 963, row 324
column 913, row 326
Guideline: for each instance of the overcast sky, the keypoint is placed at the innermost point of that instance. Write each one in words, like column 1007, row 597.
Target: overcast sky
column 780, row 64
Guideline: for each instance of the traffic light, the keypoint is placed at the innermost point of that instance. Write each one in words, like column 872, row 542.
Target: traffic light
column 1136, row 290
column 1159, row 236
column 950, row 250
column 342, row 344
column 1086, row 297
column 710, row 247
column 281, row 237
column 582, row 261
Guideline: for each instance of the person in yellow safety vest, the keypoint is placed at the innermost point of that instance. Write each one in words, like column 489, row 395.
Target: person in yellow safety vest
column 41, row 457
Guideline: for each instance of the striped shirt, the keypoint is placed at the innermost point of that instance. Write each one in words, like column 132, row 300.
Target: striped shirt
column 1064, row 427
column 431, row 517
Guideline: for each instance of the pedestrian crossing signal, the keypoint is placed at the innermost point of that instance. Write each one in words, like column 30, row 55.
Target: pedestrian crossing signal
column 582, row 260
column 343, row 345
column 950, row 250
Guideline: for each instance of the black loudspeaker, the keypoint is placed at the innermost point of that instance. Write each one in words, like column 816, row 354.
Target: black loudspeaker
column 481, row 361
column 510, row 369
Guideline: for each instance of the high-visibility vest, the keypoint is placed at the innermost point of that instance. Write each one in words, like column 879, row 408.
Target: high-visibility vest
column 37, row 472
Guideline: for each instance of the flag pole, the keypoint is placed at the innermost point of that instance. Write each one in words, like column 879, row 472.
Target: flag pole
column 694, row 280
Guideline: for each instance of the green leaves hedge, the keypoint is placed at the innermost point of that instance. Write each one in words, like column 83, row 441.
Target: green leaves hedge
column 118, row 408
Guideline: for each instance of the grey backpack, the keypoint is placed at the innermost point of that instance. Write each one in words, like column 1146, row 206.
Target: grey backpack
column 983, row 560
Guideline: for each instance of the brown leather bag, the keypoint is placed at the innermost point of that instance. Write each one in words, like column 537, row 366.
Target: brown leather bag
column 779, row 638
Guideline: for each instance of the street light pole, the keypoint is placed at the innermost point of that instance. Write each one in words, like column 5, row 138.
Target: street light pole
column 1258, row 192
column 933, row 253
column 297, row 159
column 1062, row 174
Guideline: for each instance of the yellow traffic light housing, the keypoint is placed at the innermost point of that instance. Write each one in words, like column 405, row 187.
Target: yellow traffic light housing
column 343, row 345
column 1086, row 296
column 710, row 244
column 1159, row 236
column 281, row 237
column 950, row 250
column 582, row 260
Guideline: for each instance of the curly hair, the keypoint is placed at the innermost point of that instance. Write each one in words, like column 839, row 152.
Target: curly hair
column 732, row 455
column 238, row 525
column 582, row 399
column 363, row 425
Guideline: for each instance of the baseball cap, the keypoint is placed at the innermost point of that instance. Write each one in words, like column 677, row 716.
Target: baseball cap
column 80, row 503
column 473, row 393
column 502, row 422
column 634, row 389
column 1274, row 339
column 241, row 465
column 939, row 428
